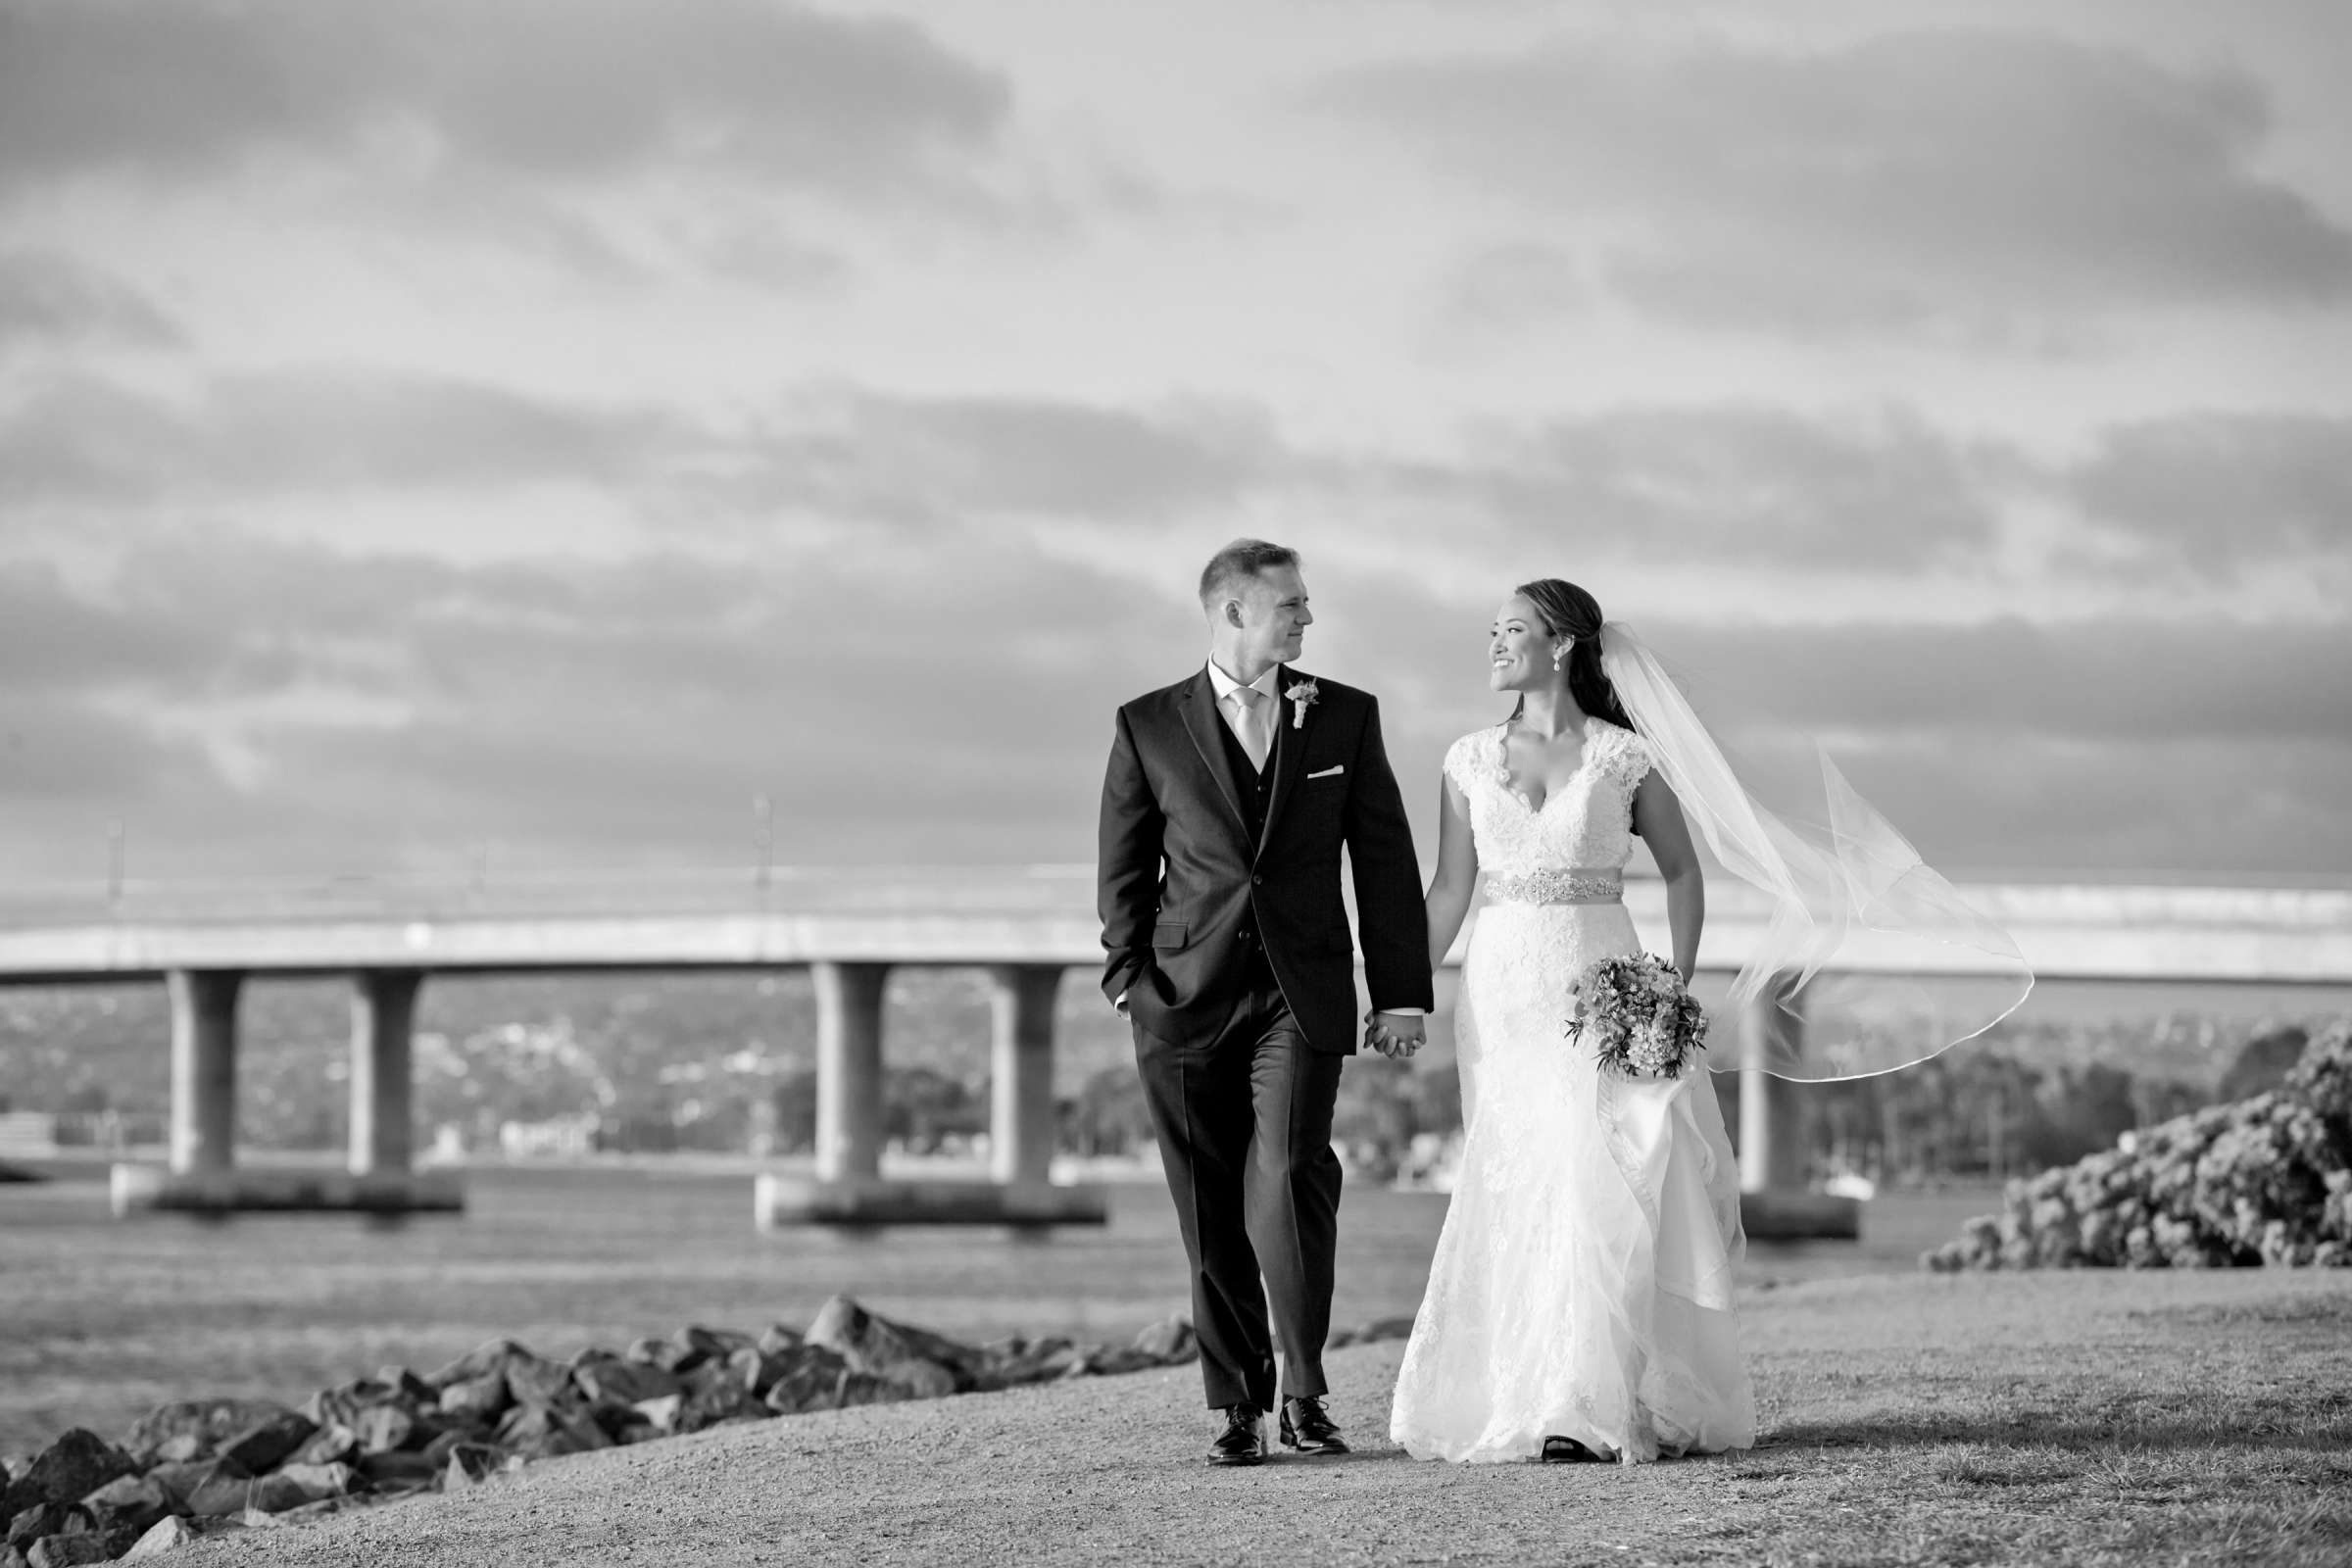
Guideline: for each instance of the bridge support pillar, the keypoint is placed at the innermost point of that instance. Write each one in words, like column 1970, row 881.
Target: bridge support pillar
column 204, row 1069
column 1774, row 1204
column 203, row 1174
column 384, row 1015
column 848, row 1187
column 849, row 1070
column 1020, row 1072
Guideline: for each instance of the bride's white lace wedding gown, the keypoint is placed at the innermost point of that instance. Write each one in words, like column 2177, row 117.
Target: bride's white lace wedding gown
column 1582, row 1286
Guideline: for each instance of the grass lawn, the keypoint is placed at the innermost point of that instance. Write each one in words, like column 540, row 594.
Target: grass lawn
column 2083, row 1417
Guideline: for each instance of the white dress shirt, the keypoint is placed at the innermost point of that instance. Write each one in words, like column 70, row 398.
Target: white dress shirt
column 1230, row 707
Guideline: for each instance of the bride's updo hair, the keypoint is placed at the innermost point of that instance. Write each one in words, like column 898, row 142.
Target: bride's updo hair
column 1570, row 611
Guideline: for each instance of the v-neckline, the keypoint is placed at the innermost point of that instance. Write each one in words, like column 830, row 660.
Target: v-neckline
column 1502, row 766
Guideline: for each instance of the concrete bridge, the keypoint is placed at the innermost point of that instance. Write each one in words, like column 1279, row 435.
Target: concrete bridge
column 1025, row 926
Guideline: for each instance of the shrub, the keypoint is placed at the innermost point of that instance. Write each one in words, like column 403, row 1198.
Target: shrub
column 2264, row 1180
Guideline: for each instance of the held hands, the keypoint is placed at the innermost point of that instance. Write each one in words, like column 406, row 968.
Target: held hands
column 1395, row 1035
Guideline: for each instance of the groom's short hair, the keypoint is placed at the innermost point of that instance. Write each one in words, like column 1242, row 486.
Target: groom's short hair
column 1243, row 557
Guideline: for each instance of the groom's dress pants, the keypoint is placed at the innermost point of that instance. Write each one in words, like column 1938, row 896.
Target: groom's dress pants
column 1243, row 1121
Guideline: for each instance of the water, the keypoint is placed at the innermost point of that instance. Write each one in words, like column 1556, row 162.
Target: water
column 100, row 1319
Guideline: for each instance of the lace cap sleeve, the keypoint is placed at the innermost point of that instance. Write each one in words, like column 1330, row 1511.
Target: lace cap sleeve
column 1457, row 767
column 1627, row 760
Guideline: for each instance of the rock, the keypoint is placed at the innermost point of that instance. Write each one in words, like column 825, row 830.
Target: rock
column 1114, row 1360
column 662, row 1414
column 542, row 1432
column 407, row 1387
column 76, row 1465
column 491, row 1356
column 269, row 1442
column 352, row 1405
column 68, row 1552
column 274, row 1495
column 820, row 1380
column 625, row 1382
column 395, row 1469
column 184, row 1481
column 44, row 1519
column 382, row 1428
column 194, row 1429
column 321, row 1480
column 925, row 1364
column 300, row 1485
column 755, row 1369
column 132, row 1501
column 471, row 1465
column 534, row 1380
column 328, row 1445
column 168, row 1535
column 476, row 1402
column 1170, row 1342
column 1050, row 1358
column 10, row 1557
column 779, row 1339
column 715, row 1392
column 649, row 1352
column 694, row 1344
column 221, row 1495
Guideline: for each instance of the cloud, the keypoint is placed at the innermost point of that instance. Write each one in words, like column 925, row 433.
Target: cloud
column 865, row 108
column 52, row 299
column 946, row 694
column 1741, row 481
column 868, row 453
column 1924, row 177
column 311, row 430
column 2216, row 491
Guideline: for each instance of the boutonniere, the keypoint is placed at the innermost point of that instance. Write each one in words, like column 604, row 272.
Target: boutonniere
column 1304, row 695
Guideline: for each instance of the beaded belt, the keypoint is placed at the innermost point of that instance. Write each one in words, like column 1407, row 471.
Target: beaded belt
column 1555, row 887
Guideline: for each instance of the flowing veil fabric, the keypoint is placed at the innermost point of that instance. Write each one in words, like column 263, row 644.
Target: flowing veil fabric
column 1847, row 894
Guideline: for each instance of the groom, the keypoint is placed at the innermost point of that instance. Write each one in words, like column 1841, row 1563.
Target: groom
column 1227, row 802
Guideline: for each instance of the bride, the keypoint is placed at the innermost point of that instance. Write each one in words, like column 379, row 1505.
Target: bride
column 1580, row 1304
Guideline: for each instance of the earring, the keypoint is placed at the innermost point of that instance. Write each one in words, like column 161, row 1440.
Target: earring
column 1559, row 658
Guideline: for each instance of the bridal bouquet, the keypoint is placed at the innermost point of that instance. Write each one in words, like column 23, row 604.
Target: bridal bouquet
column 1643, row 1019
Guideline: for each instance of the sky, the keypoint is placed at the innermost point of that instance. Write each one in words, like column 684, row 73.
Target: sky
column 438, row 434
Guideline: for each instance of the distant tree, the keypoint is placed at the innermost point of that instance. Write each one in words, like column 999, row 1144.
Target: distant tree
column 2263, row 1061
column 1377, row 1107
column 922, row 1107
column 795, row 1101
column 1108, row 1115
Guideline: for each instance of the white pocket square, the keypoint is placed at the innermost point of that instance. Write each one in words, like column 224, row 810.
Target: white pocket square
column 1330, row 772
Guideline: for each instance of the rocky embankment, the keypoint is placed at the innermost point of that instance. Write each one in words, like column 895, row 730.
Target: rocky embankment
column 203, row 1466
column 2265, row 1180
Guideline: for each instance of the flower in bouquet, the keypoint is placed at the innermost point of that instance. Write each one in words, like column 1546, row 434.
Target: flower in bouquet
column 1640, row 1016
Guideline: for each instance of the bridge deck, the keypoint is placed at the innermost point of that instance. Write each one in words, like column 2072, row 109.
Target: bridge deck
column 1042, row 916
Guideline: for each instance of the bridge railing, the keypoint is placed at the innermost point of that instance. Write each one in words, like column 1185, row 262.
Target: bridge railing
column 627, row 891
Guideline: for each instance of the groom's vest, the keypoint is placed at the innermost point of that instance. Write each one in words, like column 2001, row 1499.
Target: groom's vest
column 1257, row 784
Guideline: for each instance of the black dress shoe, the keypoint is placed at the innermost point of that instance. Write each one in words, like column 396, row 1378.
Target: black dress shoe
column 1567, row 1451
column 1243, row 1440
column 1307, row 1428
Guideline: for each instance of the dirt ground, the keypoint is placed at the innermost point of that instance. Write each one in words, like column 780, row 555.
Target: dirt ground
column 2076, row 1417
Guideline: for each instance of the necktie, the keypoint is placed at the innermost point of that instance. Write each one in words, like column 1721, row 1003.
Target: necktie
column 1252, row 730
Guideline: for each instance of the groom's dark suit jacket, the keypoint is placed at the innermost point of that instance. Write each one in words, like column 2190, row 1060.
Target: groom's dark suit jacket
column 1186, row 889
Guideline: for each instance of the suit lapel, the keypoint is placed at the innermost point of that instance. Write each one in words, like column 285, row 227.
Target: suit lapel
column 1290, row 754
column 1204, row 724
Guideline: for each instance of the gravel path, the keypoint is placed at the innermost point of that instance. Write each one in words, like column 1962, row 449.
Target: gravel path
column 1106, row 1470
